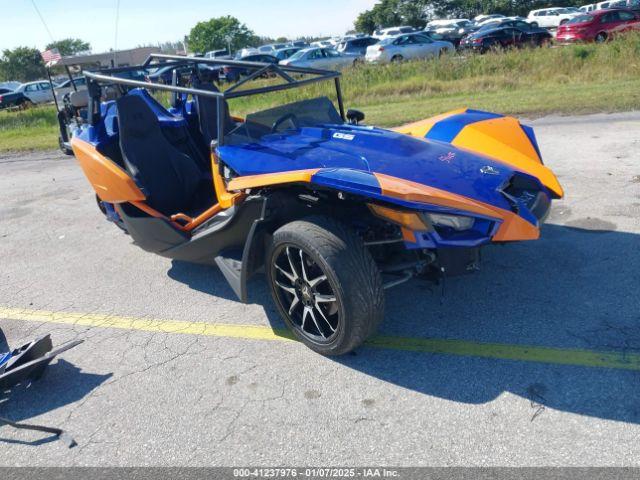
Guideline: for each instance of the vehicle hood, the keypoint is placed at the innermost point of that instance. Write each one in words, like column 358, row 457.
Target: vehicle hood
column 352, row 155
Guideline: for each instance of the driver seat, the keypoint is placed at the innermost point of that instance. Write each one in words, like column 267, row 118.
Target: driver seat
column 208, row 114
column 170, row 179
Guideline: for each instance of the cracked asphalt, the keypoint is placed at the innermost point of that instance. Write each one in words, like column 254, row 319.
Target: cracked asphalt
column 136, row 398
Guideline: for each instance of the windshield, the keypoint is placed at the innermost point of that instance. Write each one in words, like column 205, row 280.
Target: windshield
column 292, row 116
column 298, row 55
column 581, row 19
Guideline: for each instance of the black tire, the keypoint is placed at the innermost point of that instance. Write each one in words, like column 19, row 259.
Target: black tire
column 25, row 104
column 601, row 37
column 564, row 21
column 534, row 24
column 329, row 249
column 397, row 59
column 66, row 150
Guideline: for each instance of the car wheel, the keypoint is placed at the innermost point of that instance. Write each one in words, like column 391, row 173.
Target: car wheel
column 325, row 284
column 397, row 58
column 66, row 150
column 25, row 104
column 534, row 24
column 601, row 37
column 564, row 21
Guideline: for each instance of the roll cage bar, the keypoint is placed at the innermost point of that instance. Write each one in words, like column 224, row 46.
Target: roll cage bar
column 107, row 77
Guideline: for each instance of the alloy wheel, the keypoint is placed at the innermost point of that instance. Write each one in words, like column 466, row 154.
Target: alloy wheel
column 306, row 294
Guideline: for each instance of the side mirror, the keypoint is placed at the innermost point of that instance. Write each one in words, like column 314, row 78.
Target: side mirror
column 354, row 116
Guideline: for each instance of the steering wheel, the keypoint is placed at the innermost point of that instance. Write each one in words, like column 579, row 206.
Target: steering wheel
column 286, row 117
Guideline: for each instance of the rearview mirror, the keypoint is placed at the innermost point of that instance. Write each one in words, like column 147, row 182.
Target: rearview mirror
column 354, row 116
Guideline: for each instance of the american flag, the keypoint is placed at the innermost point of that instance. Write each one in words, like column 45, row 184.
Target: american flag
column 50, row 57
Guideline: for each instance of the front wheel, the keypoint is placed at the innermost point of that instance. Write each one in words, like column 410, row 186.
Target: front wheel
column 601, row 37
column 325, row 284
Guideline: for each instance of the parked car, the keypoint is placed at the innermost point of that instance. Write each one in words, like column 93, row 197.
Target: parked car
column 164, row 75
column 588, row 8
column 322, row 44
column 66, row 87
column 550, row 17
column 611, row 4
column 284, row 53
column 515, row 22
column 501, row 38
column 446, row 24
column 269, row 49
column 37, row 92
column 298, row 44
column 217, row 54
column 245, row 52
column 320, row 58
column 480, row 19
column 234, row 73
column 27, row 94
column 356, row 46
column 598, row 26
column 10, row 85
column 407, row 47
column 392, row 32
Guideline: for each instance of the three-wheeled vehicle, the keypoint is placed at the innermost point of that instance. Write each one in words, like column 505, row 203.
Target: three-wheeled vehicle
column 334, row 211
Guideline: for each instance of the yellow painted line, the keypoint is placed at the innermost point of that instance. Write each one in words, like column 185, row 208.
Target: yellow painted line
column 561, row 356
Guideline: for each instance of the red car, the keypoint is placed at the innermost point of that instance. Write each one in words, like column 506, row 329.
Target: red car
column 598, row 26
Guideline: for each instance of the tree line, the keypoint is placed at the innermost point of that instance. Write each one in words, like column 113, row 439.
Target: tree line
column 416, row 13
column 25, row 64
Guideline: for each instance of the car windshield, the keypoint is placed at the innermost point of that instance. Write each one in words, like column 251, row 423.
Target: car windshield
column 387, row 41
column 305, row 113
column 298, row 55
column 581, row 19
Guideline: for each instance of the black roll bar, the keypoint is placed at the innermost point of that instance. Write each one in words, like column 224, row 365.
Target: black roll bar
column 285, row 72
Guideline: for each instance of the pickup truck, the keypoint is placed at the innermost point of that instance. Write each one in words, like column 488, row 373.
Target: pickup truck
column 9, row 98
column 27, row 94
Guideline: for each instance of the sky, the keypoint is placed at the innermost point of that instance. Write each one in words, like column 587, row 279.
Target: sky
column 143, row 22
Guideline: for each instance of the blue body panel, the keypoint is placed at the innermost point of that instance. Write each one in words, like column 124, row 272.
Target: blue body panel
column 348, row 156
column 436, row 164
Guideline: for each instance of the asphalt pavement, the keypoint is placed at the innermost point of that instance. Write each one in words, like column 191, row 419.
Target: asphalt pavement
column 505, row 369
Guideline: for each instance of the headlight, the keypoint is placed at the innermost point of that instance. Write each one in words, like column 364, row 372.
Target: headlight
column 457, row 222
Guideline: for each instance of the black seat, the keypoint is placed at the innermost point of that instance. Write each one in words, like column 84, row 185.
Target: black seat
column 208, row 114
column 171, row 180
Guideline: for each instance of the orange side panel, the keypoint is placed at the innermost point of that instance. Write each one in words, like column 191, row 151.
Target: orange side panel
column 225, row 199
column 504, row 140
column 111, row 183
column 409, row 235
column 253, row 181
column 513, row 227
column 416, row 192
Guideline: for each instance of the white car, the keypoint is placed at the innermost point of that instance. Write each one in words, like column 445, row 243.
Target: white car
column 447, row 26
column 407, row 47
column 322, row 58
column 611, row 4
column 588, row 8
column 392, row 32
column 65, row 87
column 483, row 18
column 550, row 17
column 322, row 44
column 445, row 22
column 37, row 92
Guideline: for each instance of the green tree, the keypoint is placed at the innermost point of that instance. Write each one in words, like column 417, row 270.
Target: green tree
column 213, row 34
column 69, row 46
column 22, row 64
column 391, row 13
